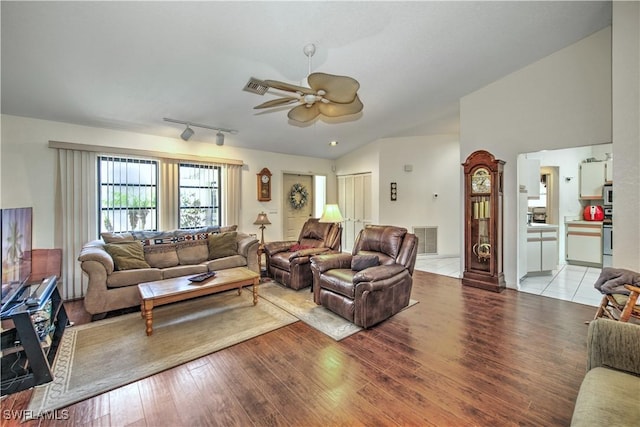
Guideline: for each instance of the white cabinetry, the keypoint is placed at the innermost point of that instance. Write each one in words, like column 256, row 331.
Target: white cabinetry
column 592, row 177
column 542, row 248
column 584, row 243
column 608, row 165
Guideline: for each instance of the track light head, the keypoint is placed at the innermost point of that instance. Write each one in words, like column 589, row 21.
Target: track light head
column 187, row 133
column 219, row 138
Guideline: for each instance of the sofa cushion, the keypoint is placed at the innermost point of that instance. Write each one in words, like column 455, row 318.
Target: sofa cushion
column 125, row 278
column 193, row 252
column 606, row 398
column 161, row 256
column 127, row 255
column 360, row 262
column 222, row 245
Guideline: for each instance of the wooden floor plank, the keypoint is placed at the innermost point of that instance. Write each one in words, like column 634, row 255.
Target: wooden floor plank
column 461, row 356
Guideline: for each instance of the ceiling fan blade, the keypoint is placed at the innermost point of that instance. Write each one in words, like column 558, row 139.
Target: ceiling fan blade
column 277, row 102
column 340, row 89
column 288, row 87
column 338, row 110
column 302, row 113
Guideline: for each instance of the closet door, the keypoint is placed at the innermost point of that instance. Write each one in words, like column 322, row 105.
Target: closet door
column 354, row 199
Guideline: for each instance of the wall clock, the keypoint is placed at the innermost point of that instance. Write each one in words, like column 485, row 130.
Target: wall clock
column 264, row 185
column 483, row 264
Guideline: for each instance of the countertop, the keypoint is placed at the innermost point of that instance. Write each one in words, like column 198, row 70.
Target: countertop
column 581, row 221
column 541, row 226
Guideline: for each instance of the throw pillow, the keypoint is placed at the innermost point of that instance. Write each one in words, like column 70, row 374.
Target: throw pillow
column 299, row 247
column 161, row 256
column 127, row 255
column 222, row 245
column 194, row 252
column 110, row 237
column 360, row 262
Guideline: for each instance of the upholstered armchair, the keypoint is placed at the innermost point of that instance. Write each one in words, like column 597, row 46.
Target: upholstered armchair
column 373, row 282
column 288, row 262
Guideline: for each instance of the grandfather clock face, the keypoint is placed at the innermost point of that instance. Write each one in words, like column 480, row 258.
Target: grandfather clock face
column 481, row 181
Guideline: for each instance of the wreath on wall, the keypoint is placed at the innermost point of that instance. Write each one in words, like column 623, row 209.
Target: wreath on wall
column 298, row 196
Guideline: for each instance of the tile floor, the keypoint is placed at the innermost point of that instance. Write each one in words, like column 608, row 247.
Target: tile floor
column 568, row 282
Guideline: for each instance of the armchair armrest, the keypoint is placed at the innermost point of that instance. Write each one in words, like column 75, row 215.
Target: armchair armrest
column 614, row 345
column 275, row 247
column 378, row 273
column 326, row 262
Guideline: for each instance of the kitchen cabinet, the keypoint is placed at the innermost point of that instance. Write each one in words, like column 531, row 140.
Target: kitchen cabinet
column 608, row 171
column 584, row 243
column 542, row 248
column 592, row 177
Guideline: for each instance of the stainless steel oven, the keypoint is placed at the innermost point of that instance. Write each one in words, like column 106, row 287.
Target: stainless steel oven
column 607, row 194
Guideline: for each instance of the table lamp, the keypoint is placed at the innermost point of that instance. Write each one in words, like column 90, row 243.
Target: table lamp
column 262, row 221
column 332, row 214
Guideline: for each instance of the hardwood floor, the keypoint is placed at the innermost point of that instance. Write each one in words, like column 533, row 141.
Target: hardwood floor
column 461, row 357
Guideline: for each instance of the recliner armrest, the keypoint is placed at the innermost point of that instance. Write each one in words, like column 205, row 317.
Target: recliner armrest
column 378, row 273
column 275, row 247
column 326, row 262
column 307, row 253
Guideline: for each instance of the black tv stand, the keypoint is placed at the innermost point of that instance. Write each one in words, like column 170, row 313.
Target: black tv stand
column 31, row 334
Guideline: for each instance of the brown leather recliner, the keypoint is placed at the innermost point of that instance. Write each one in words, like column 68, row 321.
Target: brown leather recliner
column 371, row 284
column 288, row 262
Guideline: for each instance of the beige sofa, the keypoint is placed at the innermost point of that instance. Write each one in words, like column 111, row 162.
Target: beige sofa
column 610, row 392
column 117, row 263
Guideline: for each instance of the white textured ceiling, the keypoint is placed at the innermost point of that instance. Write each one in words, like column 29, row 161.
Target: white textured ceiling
column 126, row 65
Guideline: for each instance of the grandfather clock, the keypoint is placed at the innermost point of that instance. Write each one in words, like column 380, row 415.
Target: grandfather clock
column 483, row 223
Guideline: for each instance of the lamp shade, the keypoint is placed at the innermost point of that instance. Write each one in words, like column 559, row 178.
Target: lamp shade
column 331, row 214
column 262, row 219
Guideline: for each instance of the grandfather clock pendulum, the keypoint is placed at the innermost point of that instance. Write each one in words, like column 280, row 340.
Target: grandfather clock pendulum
column 483, row 223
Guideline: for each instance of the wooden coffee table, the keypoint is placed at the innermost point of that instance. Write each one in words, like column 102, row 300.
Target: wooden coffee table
column 181, row 288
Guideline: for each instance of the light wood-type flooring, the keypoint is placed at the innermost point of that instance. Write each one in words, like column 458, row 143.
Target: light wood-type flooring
column 461, row 357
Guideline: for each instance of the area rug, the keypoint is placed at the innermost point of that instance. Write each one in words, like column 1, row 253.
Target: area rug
column 100, row 356
column 300, row 304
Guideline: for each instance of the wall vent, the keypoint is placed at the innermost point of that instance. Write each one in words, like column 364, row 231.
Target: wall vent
column 256, row 86
column 427, row 239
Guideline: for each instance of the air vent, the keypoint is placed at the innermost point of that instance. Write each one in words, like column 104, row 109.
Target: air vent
column 256, row 86
column 427, row 239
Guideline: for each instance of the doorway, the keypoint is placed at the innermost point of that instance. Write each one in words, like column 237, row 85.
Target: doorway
column 298, row 203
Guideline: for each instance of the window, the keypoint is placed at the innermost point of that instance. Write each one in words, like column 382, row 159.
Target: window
column 200, row 198
column 128, row 191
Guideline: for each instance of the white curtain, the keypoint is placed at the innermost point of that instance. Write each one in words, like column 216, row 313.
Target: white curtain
column 169, row 194
column 232, row 185
column 75, row 215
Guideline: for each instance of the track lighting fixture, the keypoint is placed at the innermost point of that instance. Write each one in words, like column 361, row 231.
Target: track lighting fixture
column 188, row 132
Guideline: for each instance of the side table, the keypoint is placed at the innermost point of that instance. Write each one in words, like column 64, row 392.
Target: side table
column 263, row 273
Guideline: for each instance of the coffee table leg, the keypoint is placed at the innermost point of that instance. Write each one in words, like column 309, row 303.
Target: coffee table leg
column 255, row 291
column 148, row 315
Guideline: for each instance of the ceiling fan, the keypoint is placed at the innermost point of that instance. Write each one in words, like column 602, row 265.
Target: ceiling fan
column 328, row 95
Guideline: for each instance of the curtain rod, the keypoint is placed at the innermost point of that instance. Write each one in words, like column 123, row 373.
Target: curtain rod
column 137, row 152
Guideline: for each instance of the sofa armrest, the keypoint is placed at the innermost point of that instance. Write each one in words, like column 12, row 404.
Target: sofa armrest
column 378, row 273
column 94, row 251
column 613, row 345
column 330, row 261
column 244, row 243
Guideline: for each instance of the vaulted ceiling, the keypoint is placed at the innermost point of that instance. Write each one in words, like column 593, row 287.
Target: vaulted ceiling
column 126, row 65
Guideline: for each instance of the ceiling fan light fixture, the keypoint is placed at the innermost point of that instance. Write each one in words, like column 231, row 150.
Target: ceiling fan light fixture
column 187, row 133
column 219, row 138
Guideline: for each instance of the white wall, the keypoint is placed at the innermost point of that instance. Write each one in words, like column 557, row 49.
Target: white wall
column 626, row 134
column 435, row 165
column 563, row 100
column 28, row 169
